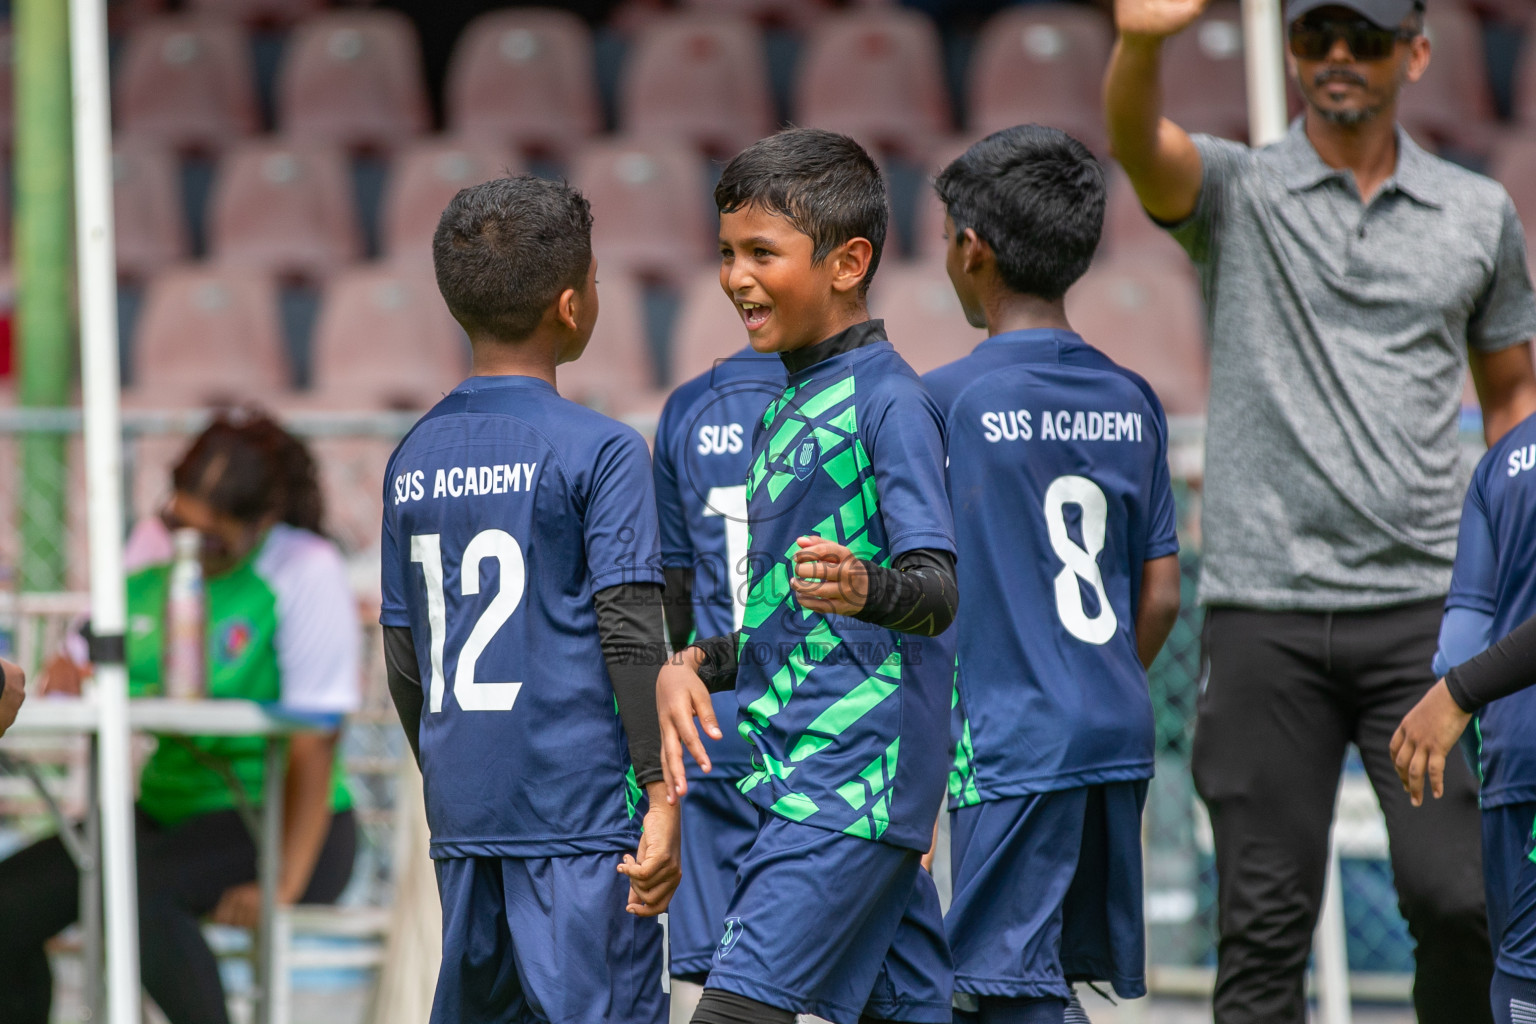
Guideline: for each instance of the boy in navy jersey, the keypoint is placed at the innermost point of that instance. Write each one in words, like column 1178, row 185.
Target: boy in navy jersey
column 1058, row 475
column 1493, row 590
column 521, row 581
column 840, row 690
column 702, row 453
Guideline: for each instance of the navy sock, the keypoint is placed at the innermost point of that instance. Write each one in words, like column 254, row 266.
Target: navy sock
column 995, row 1010
column 1514, row 999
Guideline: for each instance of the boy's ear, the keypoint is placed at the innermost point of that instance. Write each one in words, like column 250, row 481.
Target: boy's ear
column 975, row 251
column 568, row 309
column 850, row 264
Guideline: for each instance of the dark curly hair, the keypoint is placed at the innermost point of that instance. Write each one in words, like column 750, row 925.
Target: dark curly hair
column 247, row 466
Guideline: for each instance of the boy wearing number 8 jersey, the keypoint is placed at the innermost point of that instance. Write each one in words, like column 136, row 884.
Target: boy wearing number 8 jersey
column 1069, row 584
column 521, row 598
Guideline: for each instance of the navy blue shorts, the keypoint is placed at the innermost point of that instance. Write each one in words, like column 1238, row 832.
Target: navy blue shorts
column 837, row 926
column 1509, row 878
column 544, row 939
column 1048, row 891
column 719, row 825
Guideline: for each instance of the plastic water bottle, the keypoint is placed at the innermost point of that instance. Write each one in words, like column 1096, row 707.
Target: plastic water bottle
column 186, row 616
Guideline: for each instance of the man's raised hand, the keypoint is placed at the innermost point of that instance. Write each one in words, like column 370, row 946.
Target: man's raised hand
column 681, row 696
column 1156, row 17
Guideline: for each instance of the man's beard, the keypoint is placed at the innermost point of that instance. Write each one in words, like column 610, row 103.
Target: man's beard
column 1344, row 118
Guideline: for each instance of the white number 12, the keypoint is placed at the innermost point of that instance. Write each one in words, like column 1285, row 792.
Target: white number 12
column 498, row 544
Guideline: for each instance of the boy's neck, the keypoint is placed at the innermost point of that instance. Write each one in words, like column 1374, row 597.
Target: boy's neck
column 531, row 357
column 839, row 341
column 1010, row 311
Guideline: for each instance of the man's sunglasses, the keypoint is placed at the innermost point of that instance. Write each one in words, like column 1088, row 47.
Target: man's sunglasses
column 1313, row 40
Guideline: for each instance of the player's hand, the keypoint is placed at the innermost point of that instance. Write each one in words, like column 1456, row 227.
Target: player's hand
column 239, row 907
column 63, row 675
column 13, row 690
column 829, row 578
column 657, row 866
column 1156, row 17
column 681, row 696
column 1425, row 737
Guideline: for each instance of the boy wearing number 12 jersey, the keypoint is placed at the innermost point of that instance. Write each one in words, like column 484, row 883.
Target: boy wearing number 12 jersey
column 1069, row 584
column 521, row 585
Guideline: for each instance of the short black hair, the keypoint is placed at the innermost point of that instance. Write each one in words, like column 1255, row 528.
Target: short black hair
column 506, row 249
column 1036, row 196
column 828, row 187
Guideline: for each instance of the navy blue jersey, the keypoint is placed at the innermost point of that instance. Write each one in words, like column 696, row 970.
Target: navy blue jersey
column 848, row 718
column 1495, row 574
column 1058, row 472
column 703, row 451
column 505, row 509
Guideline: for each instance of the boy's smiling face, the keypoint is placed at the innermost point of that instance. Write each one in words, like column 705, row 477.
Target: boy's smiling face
column 784, row 299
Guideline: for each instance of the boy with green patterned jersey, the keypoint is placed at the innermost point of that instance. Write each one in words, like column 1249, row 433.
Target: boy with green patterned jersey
column 843, row 682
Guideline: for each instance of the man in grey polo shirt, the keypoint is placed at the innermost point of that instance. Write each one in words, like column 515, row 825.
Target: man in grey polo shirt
column 1349, row 276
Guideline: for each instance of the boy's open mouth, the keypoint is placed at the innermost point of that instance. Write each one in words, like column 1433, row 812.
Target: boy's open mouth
column 753, row 314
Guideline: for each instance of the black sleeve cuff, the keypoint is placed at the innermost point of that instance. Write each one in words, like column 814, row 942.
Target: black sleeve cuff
column 917, row 594
column 629, row 625
column 404, row 678
column 1507, row 667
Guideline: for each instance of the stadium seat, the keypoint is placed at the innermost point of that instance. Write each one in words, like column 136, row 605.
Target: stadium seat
column 798, row 15
column 927, row 227
column 1204, row 87
column 187, row 81
column 1041, row 64
column 615, row 374
column 1146, row 315
column 423, row 180
column 385, row 340
column 209, row 335
column 284, row 209
column 1513, row 165
column 525, row 78
column 260, row 12
column 352, row 487
column 708, row 328
column 922, row 316
column 150, row 231
column 876, row 74
column 353, row 78
column 1128, row 229
column 1451, row 107
column 649, row 208
column 700, row 79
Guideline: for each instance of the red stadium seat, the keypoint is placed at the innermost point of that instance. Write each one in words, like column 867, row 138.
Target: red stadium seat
column 1452, row 105
column 708, row 328
column 615, row 374
column 284, row 209
column 385, row 340
column 525, row 78
column 260, row 12
column 1146, row 315
column 1128, row 229
column 927, row 242
column 150, row 231
column 701, row 79
column 1204, row 87
column 793, row 14
column 423, row 181
column 648, row 208
column 1041, row 64
column 209, row 335
column 188, row 82
column 876, row 74
column 922, row 316
column 1513, row 165
column 353, row 78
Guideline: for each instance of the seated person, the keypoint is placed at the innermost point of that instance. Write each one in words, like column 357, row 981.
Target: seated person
column 281, row 627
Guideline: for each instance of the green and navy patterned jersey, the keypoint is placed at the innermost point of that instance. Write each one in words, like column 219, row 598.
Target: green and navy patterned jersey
column 849, row 720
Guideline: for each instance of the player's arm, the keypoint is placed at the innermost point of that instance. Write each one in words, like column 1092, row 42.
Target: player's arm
column 1506, row 388
column 1161, row 159
column 13, row 690
column 683, row 688
column 1158, row 608
column 916, row 594
column 677, row 605
column 404, row 679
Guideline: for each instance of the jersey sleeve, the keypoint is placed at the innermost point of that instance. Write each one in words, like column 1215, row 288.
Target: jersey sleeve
column 1505, row 313
column 319, row 642
column 1221, row 160
column 619, row 525
column 1162, row 510
column 906, row 453
column 676, row 547
column 392, row 607
column 1474, row 578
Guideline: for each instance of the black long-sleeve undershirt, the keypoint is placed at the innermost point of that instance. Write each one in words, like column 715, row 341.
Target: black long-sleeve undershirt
column 1507, row 667
column 917, row 594
column 630, row 631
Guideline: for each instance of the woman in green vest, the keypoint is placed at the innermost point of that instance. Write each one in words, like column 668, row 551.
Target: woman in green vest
column 282, row 627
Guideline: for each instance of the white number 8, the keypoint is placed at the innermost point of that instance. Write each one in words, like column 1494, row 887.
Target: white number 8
column 427, row 549
column 1080, row 563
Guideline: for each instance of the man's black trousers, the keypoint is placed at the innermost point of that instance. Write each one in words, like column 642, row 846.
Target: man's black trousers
column 1283, row 695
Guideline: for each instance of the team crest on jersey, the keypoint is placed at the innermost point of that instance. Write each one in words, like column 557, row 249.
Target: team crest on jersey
column 807, row 454
column 733, row 930
column 234, row 639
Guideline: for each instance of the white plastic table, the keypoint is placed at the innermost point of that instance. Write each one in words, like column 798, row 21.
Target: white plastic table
column 44, row 715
